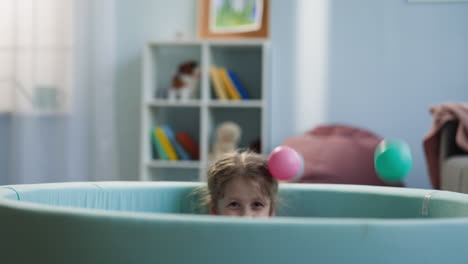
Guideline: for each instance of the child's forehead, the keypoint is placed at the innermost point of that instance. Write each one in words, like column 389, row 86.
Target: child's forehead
column 244, row 185
column 243, row 182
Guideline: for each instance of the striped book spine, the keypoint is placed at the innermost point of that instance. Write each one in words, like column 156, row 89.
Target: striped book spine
column 178, row 148
column 231, row 90
column 162, row 155
column 166, row 144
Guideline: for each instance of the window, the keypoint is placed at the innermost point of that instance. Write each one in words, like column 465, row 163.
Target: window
column 35, row 55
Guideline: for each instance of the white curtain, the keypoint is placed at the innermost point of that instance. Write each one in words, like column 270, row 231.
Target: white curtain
column 57, row 98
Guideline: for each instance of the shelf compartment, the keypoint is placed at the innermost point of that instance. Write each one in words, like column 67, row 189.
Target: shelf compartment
column 249, row 120
column 165, row 60
column 244, row 61
column 179, row 119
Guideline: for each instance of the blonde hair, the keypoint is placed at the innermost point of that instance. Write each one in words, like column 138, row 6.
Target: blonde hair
column 246, row 164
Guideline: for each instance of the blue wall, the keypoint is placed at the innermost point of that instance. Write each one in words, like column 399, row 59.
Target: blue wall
column 391, row 60
column 138, row 22
column 283, row 69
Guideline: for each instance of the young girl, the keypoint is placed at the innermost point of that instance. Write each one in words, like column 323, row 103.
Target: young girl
column 240, row 184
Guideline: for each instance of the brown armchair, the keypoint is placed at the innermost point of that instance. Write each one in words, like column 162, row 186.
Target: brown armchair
column 453, row 161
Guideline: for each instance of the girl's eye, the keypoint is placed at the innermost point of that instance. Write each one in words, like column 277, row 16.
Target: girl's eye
column 257, row 204
column 234, row 205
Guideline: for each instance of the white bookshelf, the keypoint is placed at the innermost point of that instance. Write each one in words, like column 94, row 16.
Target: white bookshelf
column 199, row 116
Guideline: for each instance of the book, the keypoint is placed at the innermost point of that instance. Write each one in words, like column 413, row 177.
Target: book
column 167, row 146
column 154, row 151
column 238, row 85
column 178, row 148
column 231, row 90
column 188, row 144
column 161, row 153
column 218, row 86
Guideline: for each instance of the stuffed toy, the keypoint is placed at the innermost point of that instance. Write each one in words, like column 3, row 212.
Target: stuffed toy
column 226, row 139
column 185, row 81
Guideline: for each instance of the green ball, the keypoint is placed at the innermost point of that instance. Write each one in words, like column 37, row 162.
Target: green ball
column 392, row 160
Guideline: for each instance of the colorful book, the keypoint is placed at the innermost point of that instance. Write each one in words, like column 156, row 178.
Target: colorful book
column 217, row 83
column 231, row 90
column 158, row 146
column 238, row 85
column 172, row 155
column 188, row 144
column 154, row 152
column 178, row 148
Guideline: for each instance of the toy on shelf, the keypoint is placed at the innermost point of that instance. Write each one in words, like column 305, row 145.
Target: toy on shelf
column 227, row 137
column 185, row 81
column 285, row 164
column 392, row 160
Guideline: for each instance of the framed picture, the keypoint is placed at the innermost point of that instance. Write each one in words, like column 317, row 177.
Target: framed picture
column 233, row 18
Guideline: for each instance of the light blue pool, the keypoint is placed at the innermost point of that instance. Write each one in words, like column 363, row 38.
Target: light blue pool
column 157, row 222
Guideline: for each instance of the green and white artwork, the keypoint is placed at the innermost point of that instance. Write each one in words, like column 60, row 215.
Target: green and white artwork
column 235, row 16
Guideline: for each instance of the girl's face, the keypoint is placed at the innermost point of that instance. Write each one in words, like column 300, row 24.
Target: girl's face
column 243, row 198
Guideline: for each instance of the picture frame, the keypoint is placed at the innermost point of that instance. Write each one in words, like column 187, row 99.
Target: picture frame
column 206, row 17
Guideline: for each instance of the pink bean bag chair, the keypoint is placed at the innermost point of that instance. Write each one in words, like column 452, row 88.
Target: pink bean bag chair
column 338, row 154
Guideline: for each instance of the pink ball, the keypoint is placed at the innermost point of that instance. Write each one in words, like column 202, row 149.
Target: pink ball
column 285, row 163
